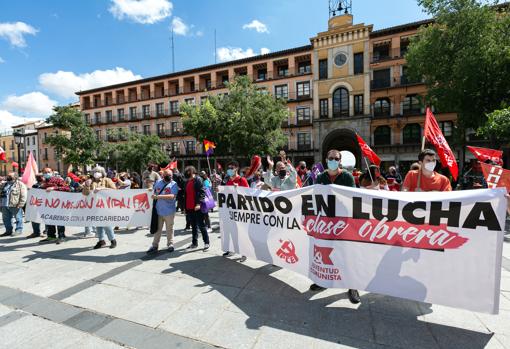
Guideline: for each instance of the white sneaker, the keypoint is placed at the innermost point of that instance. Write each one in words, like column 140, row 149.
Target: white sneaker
column 209, row 230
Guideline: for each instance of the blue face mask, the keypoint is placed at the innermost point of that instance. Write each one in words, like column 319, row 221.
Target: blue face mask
column 333, row 165
column 230, row 173
column 47, row 176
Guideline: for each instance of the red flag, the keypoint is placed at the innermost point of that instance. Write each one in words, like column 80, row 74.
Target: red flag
column 14, row 164
column 496, row 176
column 30, row 171
column 434, row 135
column 2, row 155
column 171, row 166
column 368, row 152
column 484, row 154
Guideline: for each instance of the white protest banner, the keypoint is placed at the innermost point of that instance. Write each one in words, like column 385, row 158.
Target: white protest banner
column 436, row 247
column 102, row 209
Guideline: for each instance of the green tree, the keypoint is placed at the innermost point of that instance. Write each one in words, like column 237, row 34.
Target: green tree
column 75, row 141
column 138, row 151
column 497, row 127
column 245, row 122
column 464, row 59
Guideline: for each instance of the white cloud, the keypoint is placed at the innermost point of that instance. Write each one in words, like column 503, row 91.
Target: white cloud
column 66, row 83
column 1, row 60
column 257, row 25
column 199, row 33
column 231, row 53
column 14, row 32
column 141, row 11
column 7, row 120
column 33, row 103
column 179, row 27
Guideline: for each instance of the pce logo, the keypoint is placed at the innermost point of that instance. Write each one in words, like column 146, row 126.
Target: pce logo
column 321, row 255
column 141, row 202
column 287, row 252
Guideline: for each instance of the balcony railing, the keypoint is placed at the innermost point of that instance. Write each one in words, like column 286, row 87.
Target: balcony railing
column 406, row 80
column 411, row 111
column 380, row 83
column 379, row 54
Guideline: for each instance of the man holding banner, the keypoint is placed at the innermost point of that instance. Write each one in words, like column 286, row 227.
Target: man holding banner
column 335, row 175
column 426, row 179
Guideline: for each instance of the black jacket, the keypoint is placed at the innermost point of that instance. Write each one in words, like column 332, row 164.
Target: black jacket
column 199, row 190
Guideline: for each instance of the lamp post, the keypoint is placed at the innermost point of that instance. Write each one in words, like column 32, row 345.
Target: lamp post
column 18, row 139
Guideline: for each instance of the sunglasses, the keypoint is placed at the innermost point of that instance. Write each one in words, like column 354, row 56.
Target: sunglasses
column 331, row 159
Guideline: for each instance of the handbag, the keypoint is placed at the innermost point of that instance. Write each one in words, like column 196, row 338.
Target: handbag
column 154, row 217
column 208, row 203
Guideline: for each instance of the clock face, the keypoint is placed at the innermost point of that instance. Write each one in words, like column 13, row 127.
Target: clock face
column 340, row 59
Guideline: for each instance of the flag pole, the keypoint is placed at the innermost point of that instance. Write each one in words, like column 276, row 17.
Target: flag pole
column 209, row 165
column 368, row 169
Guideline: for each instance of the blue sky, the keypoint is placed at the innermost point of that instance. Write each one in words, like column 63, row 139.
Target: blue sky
column 50, row 49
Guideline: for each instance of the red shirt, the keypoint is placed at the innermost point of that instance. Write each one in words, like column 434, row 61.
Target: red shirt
column 240, row 181
column 437, row 182
column 190, row 195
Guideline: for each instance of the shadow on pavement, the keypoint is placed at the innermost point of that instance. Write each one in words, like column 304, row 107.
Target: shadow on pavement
column 270, row 302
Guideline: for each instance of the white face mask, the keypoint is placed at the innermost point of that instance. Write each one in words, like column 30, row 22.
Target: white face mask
column 430, row 166
column 98, row 175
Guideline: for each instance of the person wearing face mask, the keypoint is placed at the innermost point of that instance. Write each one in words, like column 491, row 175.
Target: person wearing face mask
column 426, row 179
column 165, row 194
column 13, row 196
column 286, row 175
column 194, row 196
column 372, row 179
column 304, row 174
column 101, row 182
column 234, row 179
column 150, row 176
column 257, row 182
column 335, row 175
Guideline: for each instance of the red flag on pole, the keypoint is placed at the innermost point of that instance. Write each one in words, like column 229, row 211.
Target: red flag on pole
column 496, row 176
column 2, row 155
column 171, row 166
column 368, row 152
column 484, row 154
column 435, row 137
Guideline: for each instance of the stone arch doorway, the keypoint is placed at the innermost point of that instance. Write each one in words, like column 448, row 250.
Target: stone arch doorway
column 342, row 139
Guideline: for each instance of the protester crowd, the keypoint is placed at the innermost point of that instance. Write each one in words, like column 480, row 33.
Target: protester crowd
column 194, row 194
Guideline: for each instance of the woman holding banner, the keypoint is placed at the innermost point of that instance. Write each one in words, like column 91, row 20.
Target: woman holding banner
column 101, row 182
column 335, row 175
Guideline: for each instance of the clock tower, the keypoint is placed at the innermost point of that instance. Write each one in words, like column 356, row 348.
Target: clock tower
column 341, row 82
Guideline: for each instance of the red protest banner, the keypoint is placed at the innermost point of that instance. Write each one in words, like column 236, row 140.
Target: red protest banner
column 496, row 176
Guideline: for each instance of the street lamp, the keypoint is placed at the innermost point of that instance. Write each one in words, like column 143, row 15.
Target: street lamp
column 18, row 139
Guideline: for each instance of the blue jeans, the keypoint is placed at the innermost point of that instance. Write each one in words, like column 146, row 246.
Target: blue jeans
column 8, row 213
column 101, row 231
column 88, row 229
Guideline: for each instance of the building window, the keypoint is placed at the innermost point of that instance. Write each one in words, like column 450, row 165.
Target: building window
column 303, row 115
column 381, row 51
column 358, row 105
column 358, row 63
column 261, row 74
column 45, row 153
column 132, row 113
column 340, row 102
column 120, row 114
column 304, row 68
column 411, row 105
column 175, row 147
column 283, row 70
column 109, row 116
column 192, row 86
column 382, row 107
column 208, row 84
column 304, row 140
column 382, row 135
column 146, row 111
column 382, row 78
column 203, row 99
column 190, row 101
column 174, row 127
column 147, row 130
column 160, row 129
column 174, row 107
column 323, row 69
column 133, row 129
column 303, row 89
column 323, row 106
column 159, row 109
column 97, row 117
column 98, row 134
column 281, row 91
column 190, row 147
column 411, row 134
column 224, row 80
column 87, row 119
column 447, row 128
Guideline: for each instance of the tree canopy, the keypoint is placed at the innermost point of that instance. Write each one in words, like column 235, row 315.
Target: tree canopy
column 245, row 122
column 464, row 58
column 75, row 142
column 497, row 127
column 138, row 151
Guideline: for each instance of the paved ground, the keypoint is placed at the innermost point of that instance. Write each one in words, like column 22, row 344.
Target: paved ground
column 70, row 296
